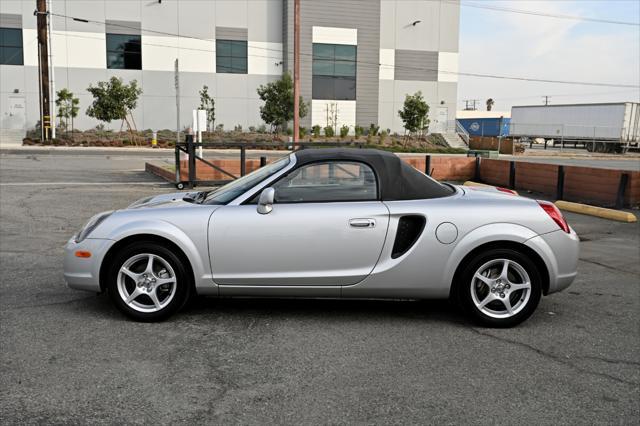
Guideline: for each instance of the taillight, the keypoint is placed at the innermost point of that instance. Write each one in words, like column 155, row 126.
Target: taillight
column 555, row 214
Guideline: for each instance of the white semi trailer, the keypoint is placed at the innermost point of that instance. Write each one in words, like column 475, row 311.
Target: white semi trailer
column 605, row 127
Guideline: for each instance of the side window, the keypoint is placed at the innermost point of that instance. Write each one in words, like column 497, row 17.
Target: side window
column 231, row 56
column 124, row 52
column 11, row 46
column 328, row 181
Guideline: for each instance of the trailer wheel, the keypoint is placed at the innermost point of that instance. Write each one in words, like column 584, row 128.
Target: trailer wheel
column 180, row 185
column 589, row 147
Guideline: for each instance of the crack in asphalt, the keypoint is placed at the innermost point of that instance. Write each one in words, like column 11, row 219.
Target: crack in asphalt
column 607, row 360
column 557, row 358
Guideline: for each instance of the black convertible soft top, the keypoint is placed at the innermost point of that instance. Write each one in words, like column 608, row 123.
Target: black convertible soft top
column 397, row 180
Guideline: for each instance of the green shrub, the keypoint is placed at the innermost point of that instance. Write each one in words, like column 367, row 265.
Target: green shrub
column 302, row 131
column 328, row 131
column 238, row 128
column 252, row 129
column 383, row 136
column 262, row 128
column 373, row 129
column 315, row 130
column 358, row 130
column 344, row 131
column 220, row 128
column 289, row 131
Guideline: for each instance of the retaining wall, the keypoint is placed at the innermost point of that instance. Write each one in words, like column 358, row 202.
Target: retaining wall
column 581, row 184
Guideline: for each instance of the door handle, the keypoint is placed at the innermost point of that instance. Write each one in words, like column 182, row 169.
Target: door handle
column 362, row 223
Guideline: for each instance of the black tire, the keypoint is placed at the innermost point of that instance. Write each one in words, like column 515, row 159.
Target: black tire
column 180, row 292
column 466, row 284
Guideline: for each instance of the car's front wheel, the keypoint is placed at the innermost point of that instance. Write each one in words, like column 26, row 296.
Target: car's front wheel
column 148, row 282
column 500, row 288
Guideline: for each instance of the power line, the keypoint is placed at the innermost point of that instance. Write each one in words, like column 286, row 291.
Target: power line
column 376, row 64
column 564, row 95
column 543, row 14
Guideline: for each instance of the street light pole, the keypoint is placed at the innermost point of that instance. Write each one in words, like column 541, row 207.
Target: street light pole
column 296, row 71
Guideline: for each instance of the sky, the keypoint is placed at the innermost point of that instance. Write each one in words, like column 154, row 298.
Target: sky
column 507, row 43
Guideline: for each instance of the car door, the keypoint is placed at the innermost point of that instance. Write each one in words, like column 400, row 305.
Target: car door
column 327, row 228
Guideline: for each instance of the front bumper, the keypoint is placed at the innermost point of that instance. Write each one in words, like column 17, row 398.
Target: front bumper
column 560, row 252
column 83, row 273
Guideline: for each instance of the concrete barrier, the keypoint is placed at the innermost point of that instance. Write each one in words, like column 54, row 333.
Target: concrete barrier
column 597, row 211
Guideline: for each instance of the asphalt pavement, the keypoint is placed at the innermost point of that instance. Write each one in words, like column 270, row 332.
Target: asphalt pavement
column 69, row 357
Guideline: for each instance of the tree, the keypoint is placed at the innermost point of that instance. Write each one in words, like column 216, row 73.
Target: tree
column 490, row 103
column 68, row 107
column 278, row 102
column 114, row 100
column 208, row 104
column 415, row 113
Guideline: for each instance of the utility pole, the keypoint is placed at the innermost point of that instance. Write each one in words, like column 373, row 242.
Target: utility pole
column 546, row 100
column 43, row 66
column 296, row 71
column 52, row 79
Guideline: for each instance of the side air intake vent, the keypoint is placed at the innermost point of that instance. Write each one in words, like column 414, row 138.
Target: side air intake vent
column 409, row 229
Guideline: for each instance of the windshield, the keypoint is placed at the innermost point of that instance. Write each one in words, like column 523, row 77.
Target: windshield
column 235, row 188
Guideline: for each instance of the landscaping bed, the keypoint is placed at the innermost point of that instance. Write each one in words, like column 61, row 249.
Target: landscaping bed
column 166, row 139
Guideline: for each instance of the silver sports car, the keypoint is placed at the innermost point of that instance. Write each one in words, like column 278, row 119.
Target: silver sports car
column 335, row 223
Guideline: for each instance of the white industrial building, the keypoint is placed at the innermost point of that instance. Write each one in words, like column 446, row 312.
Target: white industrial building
column 362, row 56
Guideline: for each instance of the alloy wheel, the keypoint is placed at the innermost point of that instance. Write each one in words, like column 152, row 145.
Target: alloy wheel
column 500, row 288
column 146, row 282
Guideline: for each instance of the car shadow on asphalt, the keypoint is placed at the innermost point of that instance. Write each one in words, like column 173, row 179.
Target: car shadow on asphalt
column 297, row 308
column 215, row 309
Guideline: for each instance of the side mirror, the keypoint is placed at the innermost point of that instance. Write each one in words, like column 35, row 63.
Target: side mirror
column 265, row 202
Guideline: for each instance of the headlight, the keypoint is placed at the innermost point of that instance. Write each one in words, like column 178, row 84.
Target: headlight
column 91, row 225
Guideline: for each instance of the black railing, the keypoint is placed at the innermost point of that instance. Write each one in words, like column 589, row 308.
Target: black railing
column 189, row 148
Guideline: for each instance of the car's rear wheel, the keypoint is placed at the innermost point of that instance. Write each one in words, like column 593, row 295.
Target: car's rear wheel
column 148, row 282
column 500, row 288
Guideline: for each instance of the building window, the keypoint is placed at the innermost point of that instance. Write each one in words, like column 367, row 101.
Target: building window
column 123, row 52
column 11, row 46
column 231, row 56
column 334, row 71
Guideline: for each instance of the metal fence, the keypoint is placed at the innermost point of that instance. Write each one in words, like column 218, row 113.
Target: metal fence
column 187, row 152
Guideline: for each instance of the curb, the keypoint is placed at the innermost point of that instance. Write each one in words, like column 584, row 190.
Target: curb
column 160, row 171
column 472, row 183
column 586, row 209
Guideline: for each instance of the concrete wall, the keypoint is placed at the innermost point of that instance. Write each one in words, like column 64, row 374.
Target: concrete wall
column 427, row 53
column 581, row 184
column 364, row 16
column 80, row 56
column 187, row 30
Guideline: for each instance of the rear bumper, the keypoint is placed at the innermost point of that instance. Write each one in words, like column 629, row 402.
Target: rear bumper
column 560, row 252
column 83, row 273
